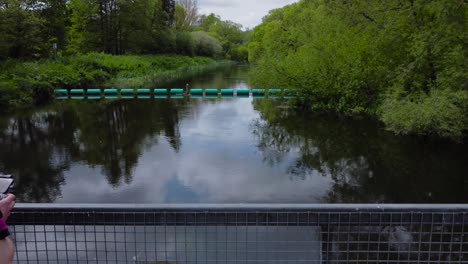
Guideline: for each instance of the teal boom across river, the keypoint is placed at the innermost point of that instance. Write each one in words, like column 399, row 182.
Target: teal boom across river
column 169, row 93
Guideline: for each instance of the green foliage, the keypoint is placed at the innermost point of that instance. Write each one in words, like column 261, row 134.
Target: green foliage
column 33, row 82
column 240, row 53
column 353, row 56
column 29, row 28
column 229, row 34
column 184, row 44
column 21, row 32
column 440, row 113
column 206, row 45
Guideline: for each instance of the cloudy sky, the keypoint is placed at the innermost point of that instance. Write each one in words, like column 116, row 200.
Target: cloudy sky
column 249, row 13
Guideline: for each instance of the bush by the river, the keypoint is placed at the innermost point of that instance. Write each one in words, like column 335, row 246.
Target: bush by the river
column 206, row 45
column 28, row 83
column 402, row 61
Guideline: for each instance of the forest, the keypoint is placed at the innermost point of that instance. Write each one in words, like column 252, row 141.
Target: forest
column 47, row 44
column 401, row 61
column 29, row 29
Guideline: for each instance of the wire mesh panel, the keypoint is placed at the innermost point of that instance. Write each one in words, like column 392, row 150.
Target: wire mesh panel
column 240, row 234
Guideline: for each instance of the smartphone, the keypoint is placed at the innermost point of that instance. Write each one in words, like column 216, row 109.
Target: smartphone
column 6, row 184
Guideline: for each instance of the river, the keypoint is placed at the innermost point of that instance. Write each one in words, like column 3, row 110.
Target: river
column 238, row 150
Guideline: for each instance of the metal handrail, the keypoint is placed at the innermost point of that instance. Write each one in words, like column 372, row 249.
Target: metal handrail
column 240, row 233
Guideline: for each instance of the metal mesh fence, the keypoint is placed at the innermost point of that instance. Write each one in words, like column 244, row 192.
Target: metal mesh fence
column 240, row 234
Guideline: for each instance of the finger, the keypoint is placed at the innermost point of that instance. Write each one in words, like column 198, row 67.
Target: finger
column 12, row 204
column 10, row 198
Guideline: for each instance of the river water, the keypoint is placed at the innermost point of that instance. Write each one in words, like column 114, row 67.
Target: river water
column 220, row 151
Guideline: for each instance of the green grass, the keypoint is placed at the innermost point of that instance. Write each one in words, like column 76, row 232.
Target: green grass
column 23, row 84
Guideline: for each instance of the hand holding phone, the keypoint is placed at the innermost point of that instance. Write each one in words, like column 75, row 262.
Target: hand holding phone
column 6, row 183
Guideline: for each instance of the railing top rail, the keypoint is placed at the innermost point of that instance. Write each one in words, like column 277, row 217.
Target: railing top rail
column 242, row 207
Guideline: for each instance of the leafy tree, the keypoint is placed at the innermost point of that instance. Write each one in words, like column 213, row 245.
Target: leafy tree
column 370, row 57
column 82, row 31
column 21, row 31
column 206, row 21
column 168, row 6
column 186, row 14
column 55, row 14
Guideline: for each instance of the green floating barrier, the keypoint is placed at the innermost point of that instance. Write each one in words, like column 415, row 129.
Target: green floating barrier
column 160, row 91
column 211, row 92
column 77, row 92
column 60, row 97
column 177, row 91
column 93, row 97
column 243, row 92
column 258, row 92
column 110, row 92
column 127, row 92
column 227, row 92
column 144, row 96
column 61, row 93
column 144, row 91
column 196, row 91
column 93, row 92
column 274, row 91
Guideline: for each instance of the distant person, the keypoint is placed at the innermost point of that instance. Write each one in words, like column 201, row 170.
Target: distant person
column 187, row 89
column 7, row 248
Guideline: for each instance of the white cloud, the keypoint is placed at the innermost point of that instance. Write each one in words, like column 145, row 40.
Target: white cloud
column 246, row 12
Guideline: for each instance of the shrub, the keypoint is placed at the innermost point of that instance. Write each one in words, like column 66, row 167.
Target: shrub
column 240, row 54
column 443, row 113
column 206, row 45
column 184, row 44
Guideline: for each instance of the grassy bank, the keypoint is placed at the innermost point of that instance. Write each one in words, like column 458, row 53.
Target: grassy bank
column 24, row 84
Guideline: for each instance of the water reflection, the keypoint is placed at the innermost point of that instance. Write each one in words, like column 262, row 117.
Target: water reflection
column 39, row 148
column 220, row 151
column 36, row 161
column 365, row 163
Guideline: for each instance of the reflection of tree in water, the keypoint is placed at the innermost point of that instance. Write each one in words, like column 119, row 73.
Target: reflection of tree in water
column 36, row 160
column 37, row 148
column 112, row 135
column 365, row 163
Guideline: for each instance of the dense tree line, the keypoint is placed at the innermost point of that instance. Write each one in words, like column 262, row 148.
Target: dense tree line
column 403, row 61
column 29, row 28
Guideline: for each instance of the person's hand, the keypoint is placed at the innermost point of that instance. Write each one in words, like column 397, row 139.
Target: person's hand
column 6, row 205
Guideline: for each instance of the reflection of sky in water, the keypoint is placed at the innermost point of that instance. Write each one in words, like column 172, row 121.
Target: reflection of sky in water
column 218, row 162
column 220, row 151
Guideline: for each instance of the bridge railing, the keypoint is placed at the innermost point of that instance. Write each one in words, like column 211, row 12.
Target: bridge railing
column 255, row 233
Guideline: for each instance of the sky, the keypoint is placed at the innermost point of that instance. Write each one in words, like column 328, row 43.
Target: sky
column 248, row 13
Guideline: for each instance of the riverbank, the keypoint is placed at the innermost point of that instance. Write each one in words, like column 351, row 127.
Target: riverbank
column 25, row 84
column 404, row 66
